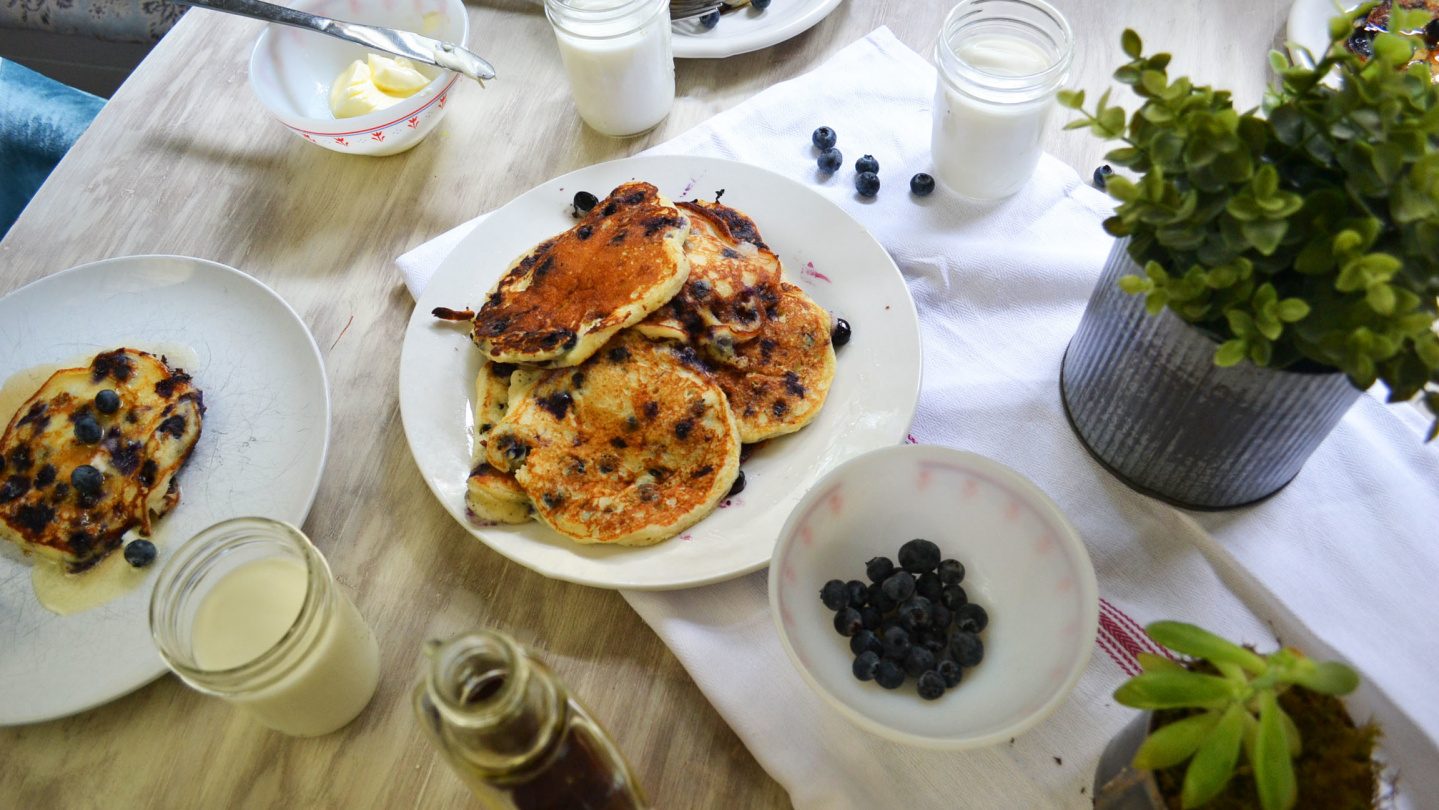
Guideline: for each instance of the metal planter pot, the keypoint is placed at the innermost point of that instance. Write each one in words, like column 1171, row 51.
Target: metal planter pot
column 1117, row 784
column 1144, row 396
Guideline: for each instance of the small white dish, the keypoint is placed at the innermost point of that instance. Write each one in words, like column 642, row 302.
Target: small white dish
column 1025, row 565
column 291, row 71
column 1308, row 27
column 261, row 449
column 749, row 30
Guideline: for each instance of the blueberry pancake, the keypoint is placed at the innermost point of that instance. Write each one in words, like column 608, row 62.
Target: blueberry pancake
column 563, row 300
column 491, row 495
column 630, row 448
column 731, row 272
column 94, row 454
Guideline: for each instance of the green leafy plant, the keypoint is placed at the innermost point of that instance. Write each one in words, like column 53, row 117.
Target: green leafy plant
column 1235, row 710
column 1307, row 229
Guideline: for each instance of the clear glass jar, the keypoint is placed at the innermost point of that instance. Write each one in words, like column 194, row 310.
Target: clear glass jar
column 619, row 61
column 248, row 611
column 1000, row 64
column 510, row 729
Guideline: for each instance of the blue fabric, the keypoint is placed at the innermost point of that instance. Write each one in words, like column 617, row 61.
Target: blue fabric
column 39, row 119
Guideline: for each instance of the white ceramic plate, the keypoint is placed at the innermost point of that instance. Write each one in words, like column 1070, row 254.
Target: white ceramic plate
column 267, row 425
column 749, row 30
column 1309, row 26
column 824, row 251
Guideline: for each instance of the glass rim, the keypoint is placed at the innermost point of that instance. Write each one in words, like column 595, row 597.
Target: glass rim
column 1027, row 83
column 564, row 14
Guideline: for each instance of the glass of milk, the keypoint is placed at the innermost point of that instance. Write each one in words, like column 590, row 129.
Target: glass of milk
column 249, row 612
column 618, row 58
column 1000, row 64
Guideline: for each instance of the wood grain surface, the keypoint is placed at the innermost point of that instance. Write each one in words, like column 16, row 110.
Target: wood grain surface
column 184, row 160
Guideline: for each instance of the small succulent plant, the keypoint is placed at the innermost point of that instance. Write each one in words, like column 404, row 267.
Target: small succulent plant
column 1232, row 711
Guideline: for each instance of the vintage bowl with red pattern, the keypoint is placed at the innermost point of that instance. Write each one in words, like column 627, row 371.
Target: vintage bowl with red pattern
column 1025, row 564
column 291, row 71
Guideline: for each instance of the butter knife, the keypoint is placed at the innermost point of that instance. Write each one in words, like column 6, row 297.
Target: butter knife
column 390, row 40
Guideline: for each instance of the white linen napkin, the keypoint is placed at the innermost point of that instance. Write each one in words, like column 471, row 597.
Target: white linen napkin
column 1342, row 563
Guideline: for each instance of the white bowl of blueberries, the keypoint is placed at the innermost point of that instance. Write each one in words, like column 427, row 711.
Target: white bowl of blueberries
column 934, row 597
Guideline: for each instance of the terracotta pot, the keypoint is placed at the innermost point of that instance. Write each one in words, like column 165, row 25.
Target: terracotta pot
column 1144, row 396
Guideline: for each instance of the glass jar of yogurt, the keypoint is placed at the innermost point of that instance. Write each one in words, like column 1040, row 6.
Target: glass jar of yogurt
column 1000, row 64
column 619, row 61
column 248, row 611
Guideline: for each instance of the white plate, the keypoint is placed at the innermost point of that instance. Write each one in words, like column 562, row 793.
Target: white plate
column 267, row 425
column 749, row 30
column 826, row 252
column 1309, row 26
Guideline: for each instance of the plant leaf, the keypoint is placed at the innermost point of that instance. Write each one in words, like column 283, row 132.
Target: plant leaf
column 1214, row 761
column 1329, row 677
column 1273, row 770
column 1230, row 352
column 1130, row 42
column 1174, row 690
column 1200, row 643
column 1150, row 662
column 1172, row 744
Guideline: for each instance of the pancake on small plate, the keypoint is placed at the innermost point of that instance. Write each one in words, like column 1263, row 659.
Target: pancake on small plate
column 491, row 495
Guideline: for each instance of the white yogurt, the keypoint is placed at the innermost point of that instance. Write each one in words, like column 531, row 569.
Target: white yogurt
column 620, row 66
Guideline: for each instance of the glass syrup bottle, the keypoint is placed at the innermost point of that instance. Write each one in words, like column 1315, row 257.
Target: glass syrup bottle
column 512, row 731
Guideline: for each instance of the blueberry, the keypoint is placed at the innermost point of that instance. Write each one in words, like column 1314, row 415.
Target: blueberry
column 919, row 556
column 879, row 599
column 840, row 334
column 87, row 430
column 737, row 487
column 878, row 569
column 889, row 675
column 107, row 401
column 759, row 5
column 867, row 164
column 896, row 642
column 954, row 596
column 915, row 613
column 918, row 661
column 834, row 594
column 710, row 20
column 951, row 572
column 830, row 160
column 889, row 622
column 857, row 593
column 940, row 616
column 867, row 184
column 584, row 201
column 847, row 621
column 871, row 617
column 1101, row 176
column 899, row 586
column 971, row 617
column 86, row 480
column 966, row 648
column 929, row 587
column 139, row 553
column 950, row 672
column 823, row 138
column 865, row 665
column 921, row 185
column 931, row 685
column 933, row 639
column 865, row 640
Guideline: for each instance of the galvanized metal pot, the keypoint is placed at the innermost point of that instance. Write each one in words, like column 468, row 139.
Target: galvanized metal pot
column 1117, row 784
column 1145, row 397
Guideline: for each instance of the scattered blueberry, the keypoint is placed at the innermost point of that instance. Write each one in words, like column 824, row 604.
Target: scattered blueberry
column 918, row 556
column 889, row 675
column 86, row 480
column 867, row 164
column 847, row 621
column 759, row 5
column 866, row 664
column 87, row 430
column 896, row 642
column 929, row 587
column 951, row 572
column 710, row 20
column 737, row 487
column 954, row 596
column 950, row 672
column 915, row 613
column 966, row 648
column 865, row 640
column 830, row 160
column 971, row 617
column 867, row 184
column 918, row 661
column 899, row 586
column 834, row 594
column 107, row 401
column 931, row 685
column 858, row 593
column 921, row 185
column 139, row 553
column 584, row 201
column 840, row 334
column 824, row 137
column 871, row 617
column 1101, row 176
column 878, row 569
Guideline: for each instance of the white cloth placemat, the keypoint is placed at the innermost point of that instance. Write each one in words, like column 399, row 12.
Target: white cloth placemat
column 1344, row 562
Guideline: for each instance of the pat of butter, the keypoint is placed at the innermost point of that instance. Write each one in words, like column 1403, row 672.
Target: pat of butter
column 375, row 84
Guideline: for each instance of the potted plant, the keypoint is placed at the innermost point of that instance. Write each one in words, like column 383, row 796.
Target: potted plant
column 1270, row 264
column 1230, row 728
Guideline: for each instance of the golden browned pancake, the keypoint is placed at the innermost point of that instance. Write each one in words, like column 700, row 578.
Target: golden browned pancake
column 491, row 495
column 777, row 383
column 136, row 451
column 561, row 301
column 731, row 270
column 630, row 448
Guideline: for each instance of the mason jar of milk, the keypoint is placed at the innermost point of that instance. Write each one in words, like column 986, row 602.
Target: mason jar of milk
column 618, row 58
column 248, row 611
column 1000, row 64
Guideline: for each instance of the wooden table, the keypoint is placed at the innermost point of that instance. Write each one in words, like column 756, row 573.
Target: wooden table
column 184, row 160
